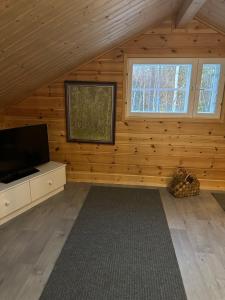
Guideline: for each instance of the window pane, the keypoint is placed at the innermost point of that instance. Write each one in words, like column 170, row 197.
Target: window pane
column 160, row 88
column 207, row 102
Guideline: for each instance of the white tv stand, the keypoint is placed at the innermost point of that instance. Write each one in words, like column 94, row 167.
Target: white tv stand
column 22, row 194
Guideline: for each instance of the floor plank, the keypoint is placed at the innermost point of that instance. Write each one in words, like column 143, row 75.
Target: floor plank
column 31, row 243
column 197, row 229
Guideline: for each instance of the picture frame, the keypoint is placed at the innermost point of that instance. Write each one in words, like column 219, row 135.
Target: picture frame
column 90, row 111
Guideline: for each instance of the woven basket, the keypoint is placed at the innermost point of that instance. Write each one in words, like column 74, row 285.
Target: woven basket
column 184, row 184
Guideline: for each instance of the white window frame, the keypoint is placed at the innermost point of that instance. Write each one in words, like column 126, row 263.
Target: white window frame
column 194, row 87
column 220, row 94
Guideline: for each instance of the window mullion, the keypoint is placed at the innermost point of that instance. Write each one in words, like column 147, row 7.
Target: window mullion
column 195, row 87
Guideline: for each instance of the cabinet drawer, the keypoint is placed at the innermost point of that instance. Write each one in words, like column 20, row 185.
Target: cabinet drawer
column 14, row 199
column 46, row 184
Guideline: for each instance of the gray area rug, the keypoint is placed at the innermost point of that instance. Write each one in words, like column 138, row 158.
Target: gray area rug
column 220, row 198
column 119, row 248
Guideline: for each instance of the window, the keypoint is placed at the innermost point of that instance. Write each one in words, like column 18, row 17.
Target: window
column 175, row 87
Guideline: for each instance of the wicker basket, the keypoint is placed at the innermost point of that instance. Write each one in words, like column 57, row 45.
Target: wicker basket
column 184, row 184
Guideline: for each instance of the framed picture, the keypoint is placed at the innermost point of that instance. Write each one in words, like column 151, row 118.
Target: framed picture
column 90, row 111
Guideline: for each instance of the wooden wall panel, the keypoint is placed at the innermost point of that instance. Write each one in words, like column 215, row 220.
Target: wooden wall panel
column 146, row 152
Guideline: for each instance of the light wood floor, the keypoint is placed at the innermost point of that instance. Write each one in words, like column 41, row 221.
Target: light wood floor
column 30, row 244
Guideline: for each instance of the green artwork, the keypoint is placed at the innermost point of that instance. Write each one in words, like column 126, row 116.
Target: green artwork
column 90, row 112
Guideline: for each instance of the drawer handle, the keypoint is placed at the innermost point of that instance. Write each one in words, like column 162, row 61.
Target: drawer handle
column 50, row 182
column 7, row 203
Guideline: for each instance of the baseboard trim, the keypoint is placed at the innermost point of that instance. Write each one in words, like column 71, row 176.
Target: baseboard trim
column 138, row 180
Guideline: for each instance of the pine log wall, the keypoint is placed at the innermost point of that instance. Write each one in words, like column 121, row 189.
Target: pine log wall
column 146, row 152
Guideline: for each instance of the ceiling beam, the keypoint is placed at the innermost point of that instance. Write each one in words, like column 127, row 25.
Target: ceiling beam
column 188, row 11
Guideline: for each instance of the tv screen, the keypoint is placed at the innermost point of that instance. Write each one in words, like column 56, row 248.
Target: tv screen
column 23, row 147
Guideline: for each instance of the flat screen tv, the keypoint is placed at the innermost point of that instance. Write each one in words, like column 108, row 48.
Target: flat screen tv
column 21, row 149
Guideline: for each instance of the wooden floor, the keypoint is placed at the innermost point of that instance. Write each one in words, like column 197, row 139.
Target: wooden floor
column 30, row 244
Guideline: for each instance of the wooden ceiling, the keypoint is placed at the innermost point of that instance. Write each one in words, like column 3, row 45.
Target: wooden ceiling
column 41, row 40
column 213, row 12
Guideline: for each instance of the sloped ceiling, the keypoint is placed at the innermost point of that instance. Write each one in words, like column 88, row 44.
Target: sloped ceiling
column 40, row 40
column 213, row 12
